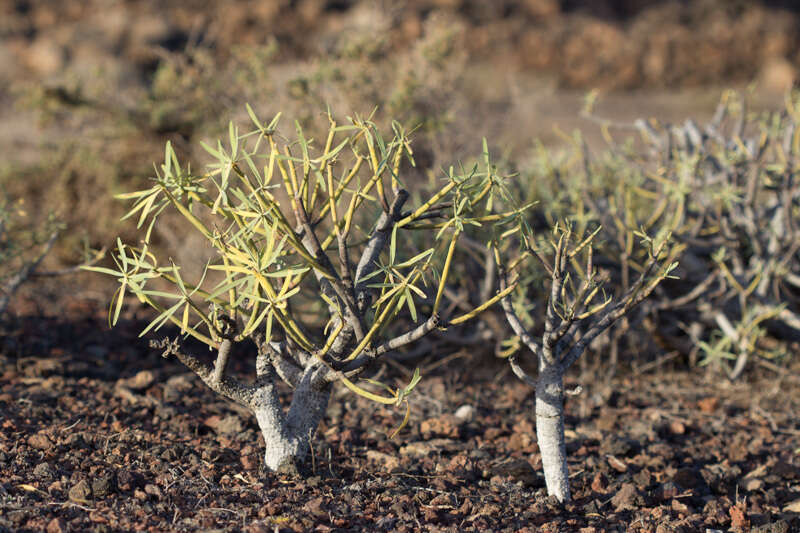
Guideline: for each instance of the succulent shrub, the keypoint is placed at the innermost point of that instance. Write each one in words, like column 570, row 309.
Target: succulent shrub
column 738, row 224
column 727, row 192
column 576, row 312
column 310, row 262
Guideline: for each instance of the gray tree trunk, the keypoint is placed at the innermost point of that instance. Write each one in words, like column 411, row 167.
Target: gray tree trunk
column 550, row 431
column 287, row 437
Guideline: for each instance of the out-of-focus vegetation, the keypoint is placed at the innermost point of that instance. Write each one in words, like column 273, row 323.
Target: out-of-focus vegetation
column 24, row 243
column 728, row 194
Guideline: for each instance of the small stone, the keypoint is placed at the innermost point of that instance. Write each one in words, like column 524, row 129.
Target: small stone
column 40, row 441
column 141, row 381
column 103, row 484
column 793, row 507
column 520, row 441
column 708, row 405
column 616, row 464
column 781, row 526
column 751, row 484
column 441, row 426
column 615, row 446
column 229, row 425
column 689, row 478
column 43, row 471
column 600, row 483
column 677, row 427
column 465, row 413
column 152, row 490
column 425, row 448
column 128, row 480
column 176, row 387
column 593, row 507
column 626, row 498
column 668, row 491
column 785, row 470
column 492, row 433
column 680, row 507
column 315, row 507
column 461, row 464
column 57, row 525
column 81, row 492
column 249, row 461
column 519, row 470
column 288, row 468
column 643, row 479
column 479, row 454
column 443, row 501
column 389, row 462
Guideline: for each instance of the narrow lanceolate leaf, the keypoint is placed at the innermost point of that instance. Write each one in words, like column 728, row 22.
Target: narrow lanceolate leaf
column 185, row 318
column 411, row 307
column 103, row 270
column 120, row 296
column 162, row 318
column 189, row 216
column 233, row 135
column 416, row 259
column 212, row 151
column 393, row 245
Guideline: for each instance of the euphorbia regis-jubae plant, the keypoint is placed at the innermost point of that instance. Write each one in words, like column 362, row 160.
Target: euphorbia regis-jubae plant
column 577, row 312
column 312, row 264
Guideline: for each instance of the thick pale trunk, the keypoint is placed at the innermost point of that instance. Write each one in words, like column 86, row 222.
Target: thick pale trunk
column 550, row 431
column 287, row 437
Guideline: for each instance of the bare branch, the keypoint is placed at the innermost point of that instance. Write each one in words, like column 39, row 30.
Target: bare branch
column 519, row 372
column 24, row 273
column 226, row 386
column 222, row 360
column 511, row 315
column 415, row 334
column 375, row 246
column 276, row 354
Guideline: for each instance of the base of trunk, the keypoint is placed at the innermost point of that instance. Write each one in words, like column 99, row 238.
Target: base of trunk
column 287, row 437
column 550, row 433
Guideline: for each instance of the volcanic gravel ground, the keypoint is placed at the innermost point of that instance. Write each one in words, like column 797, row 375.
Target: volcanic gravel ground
column 98, row 433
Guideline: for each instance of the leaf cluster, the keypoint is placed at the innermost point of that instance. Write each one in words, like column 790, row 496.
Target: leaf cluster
column 309, row 238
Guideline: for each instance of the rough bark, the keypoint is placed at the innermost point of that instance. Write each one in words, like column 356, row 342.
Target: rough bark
column 550, row 431
column 287, row 437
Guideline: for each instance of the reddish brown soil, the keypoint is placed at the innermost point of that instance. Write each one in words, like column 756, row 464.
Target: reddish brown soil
column 97, row 433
